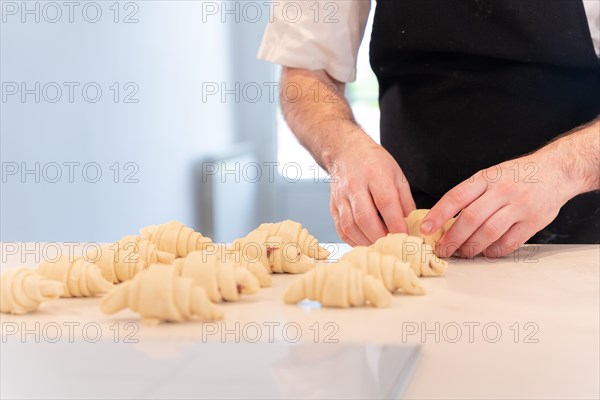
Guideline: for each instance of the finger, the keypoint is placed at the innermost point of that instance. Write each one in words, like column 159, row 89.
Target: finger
column 468, row 222
column 336, row 221
column 365, row 216
column 516, row 236
column 406, row 199
column 491, row 230
column 387, row 201
column 452, row 202
column 348, row 226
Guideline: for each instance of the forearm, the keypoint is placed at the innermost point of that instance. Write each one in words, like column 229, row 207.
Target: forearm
column 320, row 117
column 577, row 154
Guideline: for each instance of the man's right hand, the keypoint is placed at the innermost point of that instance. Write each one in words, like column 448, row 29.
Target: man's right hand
column 370, row 195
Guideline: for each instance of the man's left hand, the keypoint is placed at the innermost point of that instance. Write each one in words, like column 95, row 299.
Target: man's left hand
column 500, row 207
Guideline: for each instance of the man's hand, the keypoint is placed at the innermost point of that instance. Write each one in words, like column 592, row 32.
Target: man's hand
column 503, row 206
column 365, row 180
column 500, row 208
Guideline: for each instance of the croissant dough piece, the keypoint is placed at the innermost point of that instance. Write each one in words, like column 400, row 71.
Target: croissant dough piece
column 79, row 277
column 222, row 279
column 414, row 221
column 254, row 248
column 338, row 285
column 158, row 294
column 175, row 238
column 22, row 290
column 120, row 261
column 394, row 273
column 413, row 250
column 272, row 252
column 293, row 232
column 258, row 269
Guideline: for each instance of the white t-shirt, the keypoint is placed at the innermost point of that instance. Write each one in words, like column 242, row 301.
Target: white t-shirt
column 327, row 35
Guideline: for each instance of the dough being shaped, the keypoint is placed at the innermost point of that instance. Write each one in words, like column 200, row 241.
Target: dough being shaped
column 413, row 250
column 293, row 232
column 22, row 290
column 175, row 238
column 158, row 294
column 222, row 279
column 273, row 252
column 258, row 269
column 338, row 285
column 121, row 260
column 79, row 277
column 414, row 221
column 394, row 273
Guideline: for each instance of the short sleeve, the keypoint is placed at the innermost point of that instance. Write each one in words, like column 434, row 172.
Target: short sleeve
column 316, row 35
column 592, row 11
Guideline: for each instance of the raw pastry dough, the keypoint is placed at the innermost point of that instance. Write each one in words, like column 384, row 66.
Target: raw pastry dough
column 80, row 278
column 293, row 232
column 222, row 279
column 256, row 268
column 158, row 294
column 413, row 250
column 393, row 272
column 121, row 260
column 414, row 221
column 338, row 285
column 175, row 238
column 272, row 252
column 22, row 290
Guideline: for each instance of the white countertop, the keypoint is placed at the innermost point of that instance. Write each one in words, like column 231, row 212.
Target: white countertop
column 525, row 326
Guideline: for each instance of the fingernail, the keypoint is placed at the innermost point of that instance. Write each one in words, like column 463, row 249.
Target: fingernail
column 426, row 227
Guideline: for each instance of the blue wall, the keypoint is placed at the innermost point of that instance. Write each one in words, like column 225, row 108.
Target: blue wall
column 168, row 54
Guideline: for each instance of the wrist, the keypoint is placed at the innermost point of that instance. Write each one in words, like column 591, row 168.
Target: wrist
column 551, row 163
column 342, row 137
column 574, row 161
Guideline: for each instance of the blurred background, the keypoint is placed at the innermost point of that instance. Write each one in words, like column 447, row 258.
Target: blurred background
column 116, row 115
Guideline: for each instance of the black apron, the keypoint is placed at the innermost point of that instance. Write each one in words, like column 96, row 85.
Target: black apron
column 467, row 84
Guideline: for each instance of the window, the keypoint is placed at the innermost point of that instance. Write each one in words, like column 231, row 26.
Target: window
column 363, row 97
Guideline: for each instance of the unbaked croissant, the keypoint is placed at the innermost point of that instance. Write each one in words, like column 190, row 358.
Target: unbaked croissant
column 258, row 269
column 121, row 260
column 293, row 232
column 22, row 290
column 222, row 279
column 414, row 221
column 158, row 294
column 413, row 250
column 175, row 238
column 272, row 252
column 338, row 285
column 79, row 277
column 393, row 272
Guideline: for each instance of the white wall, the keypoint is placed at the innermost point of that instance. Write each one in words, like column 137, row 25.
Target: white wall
column 168, row 54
